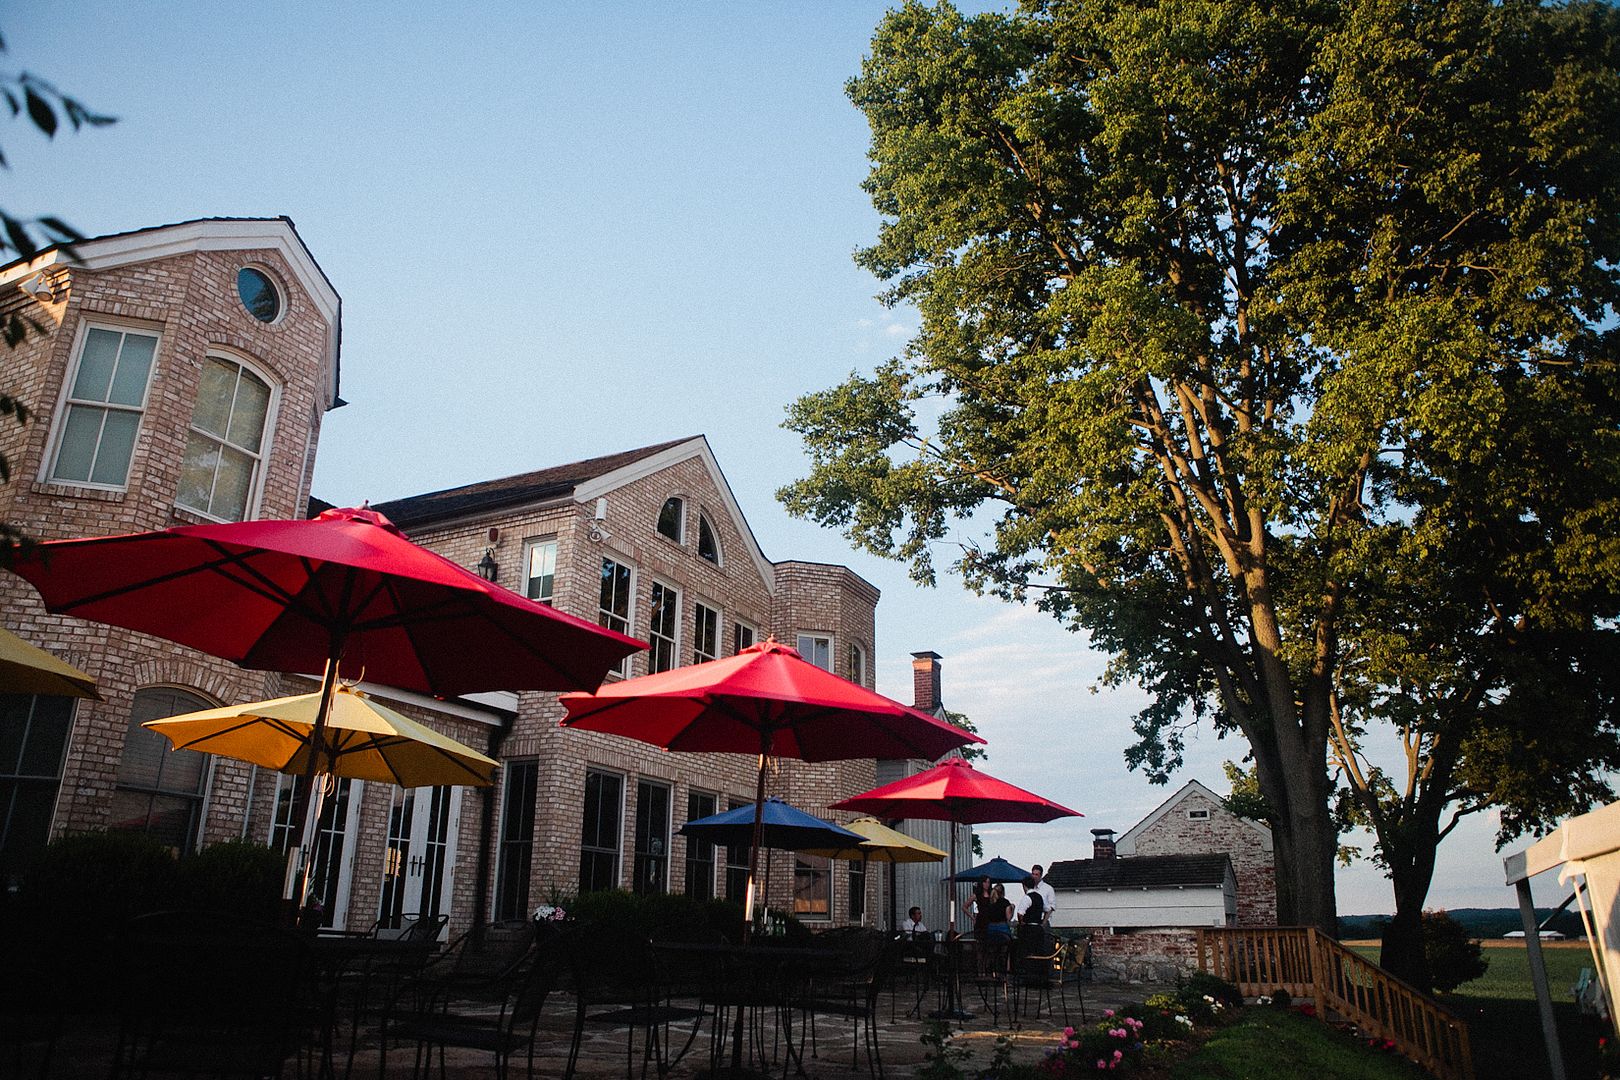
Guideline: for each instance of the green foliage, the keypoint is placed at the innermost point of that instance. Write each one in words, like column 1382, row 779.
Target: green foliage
column 1270, row 346
column 1276, row 1042
column 1453, row 957
column 1201, row 985
column 237, row 877
column 99, row 879
column 943, row 1059
column 661, row 914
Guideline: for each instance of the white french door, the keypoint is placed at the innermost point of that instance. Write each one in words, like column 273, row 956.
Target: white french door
column 333, row 865
column 419, row 863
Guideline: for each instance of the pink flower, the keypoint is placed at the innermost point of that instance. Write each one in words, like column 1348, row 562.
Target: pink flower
column 1118, row 1054
column 1108, row 1013
column 1074, row 1044
column 1101, row 1064
column 1068, row 1033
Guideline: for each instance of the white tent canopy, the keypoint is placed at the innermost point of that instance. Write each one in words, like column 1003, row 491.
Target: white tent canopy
column 1586, row 847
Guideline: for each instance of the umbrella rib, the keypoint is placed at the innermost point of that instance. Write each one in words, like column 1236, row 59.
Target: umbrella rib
column 229, row 560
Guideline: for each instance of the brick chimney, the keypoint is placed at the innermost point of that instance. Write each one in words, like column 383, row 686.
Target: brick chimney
column 1102, row 843
column 925, row 681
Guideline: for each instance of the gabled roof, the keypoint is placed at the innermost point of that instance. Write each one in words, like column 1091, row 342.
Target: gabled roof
column 541, row 485
column 580, row 482
column 206, row 234
column 1126, row 843
column 1140, row 872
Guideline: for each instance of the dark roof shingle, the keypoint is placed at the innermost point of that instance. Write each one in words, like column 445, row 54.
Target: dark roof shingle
column 511, row 490
column 1139, row 872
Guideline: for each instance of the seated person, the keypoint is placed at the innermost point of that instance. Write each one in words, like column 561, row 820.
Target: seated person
column 912, row 924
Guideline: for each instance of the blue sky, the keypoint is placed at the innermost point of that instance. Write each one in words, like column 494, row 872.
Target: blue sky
column 567, row 230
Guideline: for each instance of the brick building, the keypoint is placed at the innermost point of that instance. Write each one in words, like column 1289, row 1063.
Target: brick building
column 182, row 377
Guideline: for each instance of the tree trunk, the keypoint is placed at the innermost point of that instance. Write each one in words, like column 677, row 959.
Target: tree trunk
column 1304, row 845
column 1402, row 952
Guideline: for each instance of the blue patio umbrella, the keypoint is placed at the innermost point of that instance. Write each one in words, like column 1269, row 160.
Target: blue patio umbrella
column 785, row 828
column 997, row 870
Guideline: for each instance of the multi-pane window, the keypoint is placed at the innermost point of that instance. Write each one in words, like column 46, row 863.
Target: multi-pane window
column 742, row 636
column 515, row 861
column 650, row 871
column 708, row 545
column 33, row 745
column 705, row 634
column 663, row 626
column 817, row 649
column 671, row 517
column 812, row 888
column 857, row 665
column 160, row 792
column 737, row 861
column 613, row 611
column 540, row 570
column 226, row 441
column 857, row 891
column 600, row 837
column 104, row 407
column 700, row 853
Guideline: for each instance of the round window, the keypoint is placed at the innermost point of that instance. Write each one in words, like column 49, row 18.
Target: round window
column 258, row 294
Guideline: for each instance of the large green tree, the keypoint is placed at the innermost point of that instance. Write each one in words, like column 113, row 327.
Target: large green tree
column 1265, row 343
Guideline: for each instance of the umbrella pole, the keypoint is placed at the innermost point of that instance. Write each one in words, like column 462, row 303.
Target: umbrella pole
column 309, row 831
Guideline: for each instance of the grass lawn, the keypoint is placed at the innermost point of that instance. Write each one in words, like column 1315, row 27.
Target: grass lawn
column 1504, row 1027
column 1276, row 1043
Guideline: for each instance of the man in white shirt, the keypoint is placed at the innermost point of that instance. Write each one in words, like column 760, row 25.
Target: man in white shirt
column 912, row 923
column 1037, row 884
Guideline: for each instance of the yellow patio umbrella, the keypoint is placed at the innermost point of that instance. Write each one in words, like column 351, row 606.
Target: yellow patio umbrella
column 361, row 739
column 28, row 669
column 883, row 844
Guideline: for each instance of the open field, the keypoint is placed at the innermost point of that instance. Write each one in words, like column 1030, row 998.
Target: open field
column 1500, row 1007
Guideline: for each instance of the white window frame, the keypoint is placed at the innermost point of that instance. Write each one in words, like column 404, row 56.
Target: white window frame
column 66, row 401
column 738, row 625
column 698, row 610
column 1201, row 814
column 250, row 508
column 618, row 842
column 654, row 639
column 602, row 614
column 680, row 520
column 814, row 636
column 704, row 521
column 857, row 663
column 529, row 550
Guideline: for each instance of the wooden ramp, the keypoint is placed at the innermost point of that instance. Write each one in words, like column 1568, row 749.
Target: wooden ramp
column 1309, row 964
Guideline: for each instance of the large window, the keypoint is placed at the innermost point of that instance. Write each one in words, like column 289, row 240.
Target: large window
column 705, row 634
column 516, row 859
column 742, row 636
column 104, row 407
column 600, row 839
column 226, row 442
column 737, row 861
column 817, row 649
column 700, row 853
column 613, row 611
column 708, row 546
column 160, row 792
column 650, row 873
column 540, row 570
column 33, row 745
column 812, row 888
column 672, row 518
column 663, row 628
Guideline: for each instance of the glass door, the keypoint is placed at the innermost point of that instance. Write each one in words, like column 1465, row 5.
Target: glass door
column 333, row 866
column 419, row 862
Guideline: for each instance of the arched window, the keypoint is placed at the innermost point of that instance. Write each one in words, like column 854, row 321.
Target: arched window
column 672, row 517
column 220, row 474
column 708, row 545
column 160, row 792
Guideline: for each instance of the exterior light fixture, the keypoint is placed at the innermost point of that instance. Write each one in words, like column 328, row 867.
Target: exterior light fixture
column 487, row 567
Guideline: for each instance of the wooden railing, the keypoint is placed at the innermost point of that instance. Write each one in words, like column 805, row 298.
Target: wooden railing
column 1309, row 964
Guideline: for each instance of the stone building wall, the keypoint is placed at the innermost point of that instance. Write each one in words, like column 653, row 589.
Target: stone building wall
column 1222, row 831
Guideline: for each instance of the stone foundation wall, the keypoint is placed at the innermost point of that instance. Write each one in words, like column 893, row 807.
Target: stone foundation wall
column 1152, row 956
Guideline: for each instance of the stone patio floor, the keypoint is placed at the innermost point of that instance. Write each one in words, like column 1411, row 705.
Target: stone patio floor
column 86, row 1045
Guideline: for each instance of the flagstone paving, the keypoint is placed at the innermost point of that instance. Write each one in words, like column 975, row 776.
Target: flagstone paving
column 86, row 1045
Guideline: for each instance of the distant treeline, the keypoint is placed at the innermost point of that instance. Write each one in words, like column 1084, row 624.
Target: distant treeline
column 1480, row 922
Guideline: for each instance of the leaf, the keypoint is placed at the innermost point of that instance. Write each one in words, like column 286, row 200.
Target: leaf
column 18, row 237
column 60, row 229
column 40, row 112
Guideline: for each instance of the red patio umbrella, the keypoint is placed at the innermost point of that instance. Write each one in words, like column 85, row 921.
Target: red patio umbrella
column 766, row 700
column 304, row 596
column 955, row 791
